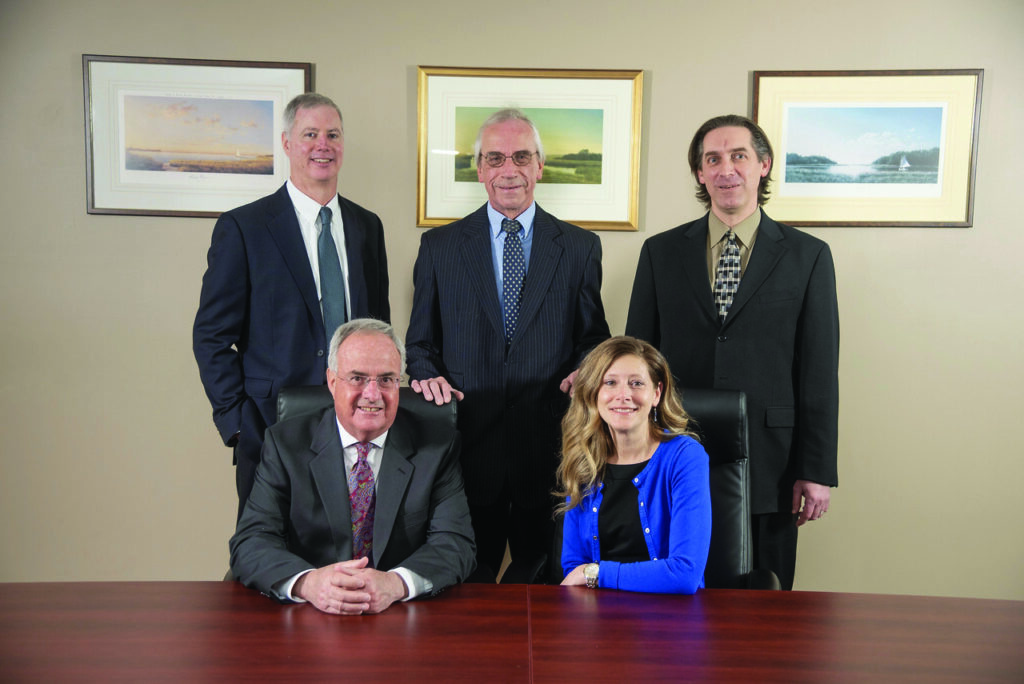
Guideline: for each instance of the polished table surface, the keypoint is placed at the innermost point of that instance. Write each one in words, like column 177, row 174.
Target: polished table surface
column 220, row 631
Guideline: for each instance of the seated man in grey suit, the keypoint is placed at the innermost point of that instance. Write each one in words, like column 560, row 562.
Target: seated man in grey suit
column 356, row 508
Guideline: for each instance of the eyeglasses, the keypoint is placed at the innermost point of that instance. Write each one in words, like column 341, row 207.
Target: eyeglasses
column 384, row 382
column 520, row 158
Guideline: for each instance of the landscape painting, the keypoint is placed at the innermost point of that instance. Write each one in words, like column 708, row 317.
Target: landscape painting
column 572, row 143
column 863, row 144
column 198, row 135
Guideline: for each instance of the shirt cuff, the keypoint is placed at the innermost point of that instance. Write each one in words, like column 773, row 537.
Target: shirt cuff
column 415, row 584
column 284, row 589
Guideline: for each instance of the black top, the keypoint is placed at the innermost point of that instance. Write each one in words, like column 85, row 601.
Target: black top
column 618, row 521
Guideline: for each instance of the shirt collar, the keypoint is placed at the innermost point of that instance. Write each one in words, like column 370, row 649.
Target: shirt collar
column 744, row 230
column 308, row 208
column 525, row 220
column 348, row 440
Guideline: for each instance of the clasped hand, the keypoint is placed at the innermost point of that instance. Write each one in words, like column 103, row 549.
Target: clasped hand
column 350, row 588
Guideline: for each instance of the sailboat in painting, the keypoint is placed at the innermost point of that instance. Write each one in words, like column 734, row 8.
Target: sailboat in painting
column 904, row 164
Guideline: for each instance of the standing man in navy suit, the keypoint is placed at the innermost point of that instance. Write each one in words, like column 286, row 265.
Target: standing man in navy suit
column 277, row 269
column 507, row 302
column 775, row 336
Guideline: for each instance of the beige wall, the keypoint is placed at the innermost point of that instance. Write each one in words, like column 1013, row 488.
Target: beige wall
column 110, row 466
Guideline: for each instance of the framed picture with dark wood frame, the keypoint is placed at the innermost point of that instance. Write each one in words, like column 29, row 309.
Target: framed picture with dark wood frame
column 184, row 137
column 589, row 122
column 871, row 148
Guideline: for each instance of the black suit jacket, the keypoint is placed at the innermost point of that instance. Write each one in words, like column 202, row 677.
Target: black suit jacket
column 510, row 417
column 779, row 344
column 298, row 516
column 259, row 327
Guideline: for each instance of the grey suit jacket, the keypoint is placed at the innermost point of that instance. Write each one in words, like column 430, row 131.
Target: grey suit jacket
column 298, row 515
column 779, row 344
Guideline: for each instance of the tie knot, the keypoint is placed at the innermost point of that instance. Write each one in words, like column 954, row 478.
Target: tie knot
column 510, row 226
column 363, row 450
column 325, row 218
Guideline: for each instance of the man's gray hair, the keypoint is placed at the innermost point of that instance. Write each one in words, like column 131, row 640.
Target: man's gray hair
column 308, row 101
column 363, row 325
column 502, row 116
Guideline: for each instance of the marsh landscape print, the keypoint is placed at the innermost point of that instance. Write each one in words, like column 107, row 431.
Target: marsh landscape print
column 572, row 143
column 863, row 144
column 198, row 135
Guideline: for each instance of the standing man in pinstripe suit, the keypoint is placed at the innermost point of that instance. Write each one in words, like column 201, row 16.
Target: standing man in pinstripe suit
column 507, row 302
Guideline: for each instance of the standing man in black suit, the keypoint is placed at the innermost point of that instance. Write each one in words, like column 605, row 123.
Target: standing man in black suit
column 283, row 273
column 762, row 318
column 362, row 504
column 507, row 302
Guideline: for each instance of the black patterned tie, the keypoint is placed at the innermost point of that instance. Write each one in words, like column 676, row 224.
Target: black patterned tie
column 332, row 281
column 727, row 275
column 513, row 268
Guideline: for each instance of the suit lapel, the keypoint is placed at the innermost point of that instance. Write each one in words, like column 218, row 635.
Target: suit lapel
column 284, row 230
column 328, row 471
column 354, row 235
column 694, row 260
column 478, row 262
column 545, row 255
column 767, row 252
column 392, row 481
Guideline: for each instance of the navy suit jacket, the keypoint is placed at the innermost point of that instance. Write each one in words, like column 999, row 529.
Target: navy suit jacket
column 299, row 517
column 779, row 344
column 510, row 417
column 259, row 327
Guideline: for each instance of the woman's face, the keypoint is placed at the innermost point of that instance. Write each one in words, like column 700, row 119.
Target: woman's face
column 627, row 394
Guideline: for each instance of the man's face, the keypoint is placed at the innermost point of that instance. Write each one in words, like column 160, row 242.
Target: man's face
column 365, row 412
column 509, row 187
column 731, row 172
column 315, row 146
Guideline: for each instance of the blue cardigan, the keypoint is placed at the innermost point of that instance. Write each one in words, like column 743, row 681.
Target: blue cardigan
column 675, row 510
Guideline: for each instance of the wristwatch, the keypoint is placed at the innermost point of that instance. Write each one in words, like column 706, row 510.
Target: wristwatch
column 590, row 571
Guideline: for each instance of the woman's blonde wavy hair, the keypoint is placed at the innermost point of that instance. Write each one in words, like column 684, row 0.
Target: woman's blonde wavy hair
column 586, row 441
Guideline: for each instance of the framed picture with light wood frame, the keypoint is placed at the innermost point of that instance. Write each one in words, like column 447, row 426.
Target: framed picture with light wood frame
column 871, row 148
column 184, row 137
column 589, row 122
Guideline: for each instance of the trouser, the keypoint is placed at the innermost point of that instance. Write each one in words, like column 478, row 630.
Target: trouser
column 775, row 545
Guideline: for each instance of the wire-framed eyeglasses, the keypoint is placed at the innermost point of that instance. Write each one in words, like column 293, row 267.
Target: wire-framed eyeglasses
column 497, row 159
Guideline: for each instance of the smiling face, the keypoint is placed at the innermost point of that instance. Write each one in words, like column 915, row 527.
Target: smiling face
column 627, row 395
column 509, row 187
column 365, row 412
column 731, row 172
column 315, row 146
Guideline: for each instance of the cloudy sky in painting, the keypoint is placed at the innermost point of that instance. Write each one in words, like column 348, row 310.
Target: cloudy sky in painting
column 860, row 134
column 193, row 124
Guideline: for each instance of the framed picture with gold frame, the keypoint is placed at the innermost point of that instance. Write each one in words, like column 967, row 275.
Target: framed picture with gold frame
column 589, row 121
column 184, row 137
column 871, row 148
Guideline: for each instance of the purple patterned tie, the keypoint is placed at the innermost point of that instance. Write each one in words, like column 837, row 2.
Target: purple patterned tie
column 362, row 498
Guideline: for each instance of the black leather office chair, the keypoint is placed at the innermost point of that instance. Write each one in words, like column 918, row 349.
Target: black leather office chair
column 295, row 401
column 720, row 419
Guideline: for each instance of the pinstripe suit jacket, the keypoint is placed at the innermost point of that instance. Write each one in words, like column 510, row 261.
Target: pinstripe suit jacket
column 510, row 417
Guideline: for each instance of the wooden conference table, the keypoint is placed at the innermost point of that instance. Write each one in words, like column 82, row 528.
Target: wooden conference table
column 219, row 631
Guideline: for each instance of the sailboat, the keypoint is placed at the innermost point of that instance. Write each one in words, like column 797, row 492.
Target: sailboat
column 904, row 164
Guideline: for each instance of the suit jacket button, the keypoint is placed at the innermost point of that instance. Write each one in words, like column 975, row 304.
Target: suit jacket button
column 722, row 338
column 319, row 352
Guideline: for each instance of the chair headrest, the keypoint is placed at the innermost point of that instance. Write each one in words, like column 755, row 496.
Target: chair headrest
column 721, row 422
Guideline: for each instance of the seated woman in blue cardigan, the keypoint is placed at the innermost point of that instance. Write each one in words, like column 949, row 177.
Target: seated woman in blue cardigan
column 638, row 499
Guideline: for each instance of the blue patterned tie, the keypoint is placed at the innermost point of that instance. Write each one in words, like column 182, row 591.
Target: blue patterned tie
column 362, row 497
column 727, row 275
column 332, row 281
column 513, row 268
